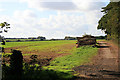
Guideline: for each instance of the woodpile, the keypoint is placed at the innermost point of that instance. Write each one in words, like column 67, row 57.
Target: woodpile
column 86, row 40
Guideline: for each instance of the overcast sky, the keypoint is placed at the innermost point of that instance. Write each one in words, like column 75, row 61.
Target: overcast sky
column 51, row 18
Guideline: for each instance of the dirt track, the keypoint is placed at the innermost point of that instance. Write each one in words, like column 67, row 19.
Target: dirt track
column 103, row 66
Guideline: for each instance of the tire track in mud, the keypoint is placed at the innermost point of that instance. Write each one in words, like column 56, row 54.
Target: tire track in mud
column 104, row 65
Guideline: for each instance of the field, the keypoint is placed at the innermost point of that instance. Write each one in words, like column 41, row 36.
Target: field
column 43, row 49
column 60, row 56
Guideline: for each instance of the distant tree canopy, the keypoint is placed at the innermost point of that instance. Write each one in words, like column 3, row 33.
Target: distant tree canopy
column 69, row 38
column 110, row 22
column 41, row 38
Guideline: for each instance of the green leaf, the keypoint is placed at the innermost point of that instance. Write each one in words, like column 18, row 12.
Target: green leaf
column 2, row 25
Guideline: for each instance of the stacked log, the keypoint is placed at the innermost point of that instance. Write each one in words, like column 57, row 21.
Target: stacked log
column 86, row 40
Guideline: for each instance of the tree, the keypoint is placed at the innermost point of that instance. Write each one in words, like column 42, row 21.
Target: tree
column 41, row 38
column 4, row 27
column 110, row 22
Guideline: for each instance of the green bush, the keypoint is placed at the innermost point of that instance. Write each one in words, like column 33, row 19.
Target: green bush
column 16, row 62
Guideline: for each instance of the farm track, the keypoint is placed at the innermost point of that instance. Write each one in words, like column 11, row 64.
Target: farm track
column 104, row 65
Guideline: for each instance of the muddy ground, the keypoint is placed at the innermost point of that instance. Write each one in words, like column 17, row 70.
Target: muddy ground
column 104, row 66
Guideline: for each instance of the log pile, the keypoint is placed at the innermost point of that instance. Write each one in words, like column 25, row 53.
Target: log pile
column 86, row 40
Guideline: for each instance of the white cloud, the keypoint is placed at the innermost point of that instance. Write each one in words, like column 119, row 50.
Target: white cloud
column 24, row 24
column 51, row 5
column 65, row 4
column 1, row 10
column 66, row 23
column 26, row 16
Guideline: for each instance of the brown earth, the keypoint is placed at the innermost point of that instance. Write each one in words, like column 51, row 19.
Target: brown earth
column 104, row 66
column 44, row 56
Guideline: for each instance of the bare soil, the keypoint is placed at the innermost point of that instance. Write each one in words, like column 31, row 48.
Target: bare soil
column 44, row 56
column 104, row 66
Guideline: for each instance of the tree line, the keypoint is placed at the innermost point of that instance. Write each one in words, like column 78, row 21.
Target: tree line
column 110, row 22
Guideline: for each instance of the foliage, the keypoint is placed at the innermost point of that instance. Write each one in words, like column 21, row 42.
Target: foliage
column 110, row 22
column 100, row 37
column 4, row 26
column 16, row 66
column 33, row 59
column 41, row 38
column 35, row 72
column 16, row 62
column 69, row 38
column 7, row 55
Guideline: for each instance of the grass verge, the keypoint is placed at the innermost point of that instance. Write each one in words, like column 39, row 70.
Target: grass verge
column 78, row 57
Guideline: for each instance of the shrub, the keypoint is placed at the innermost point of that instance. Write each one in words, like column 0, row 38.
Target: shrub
column 16, row 62
column 33, row 59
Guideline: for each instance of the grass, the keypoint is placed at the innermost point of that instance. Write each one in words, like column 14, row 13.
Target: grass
column 35, row 73
column 78, row 57
column 101, row 40
column 60, row 66
column 8, row 54
column 40, row 46
column 36, row 43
